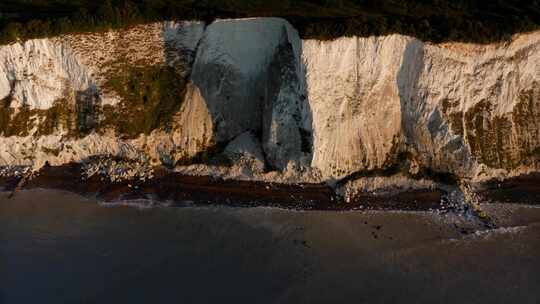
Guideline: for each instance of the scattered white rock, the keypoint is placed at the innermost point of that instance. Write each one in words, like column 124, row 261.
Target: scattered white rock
column 383, row 185
column 117, row 171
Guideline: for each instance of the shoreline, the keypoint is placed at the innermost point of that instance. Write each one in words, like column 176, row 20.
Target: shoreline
column 206, row 190
column 179, row 188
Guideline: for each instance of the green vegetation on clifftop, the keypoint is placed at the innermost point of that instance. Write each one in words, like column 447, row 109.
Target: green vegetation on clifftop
column 431, row 20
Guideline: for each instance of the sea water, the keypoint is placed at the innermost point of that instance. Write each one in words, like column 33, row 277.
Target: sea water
column 58, row 247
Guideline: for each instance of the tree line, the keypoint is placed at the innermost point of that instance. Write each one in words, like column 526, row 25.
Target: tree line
column 430, row 20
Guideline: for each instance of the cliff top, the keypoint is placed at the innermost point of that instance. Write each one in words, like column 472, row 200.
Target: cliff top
column 432, row 20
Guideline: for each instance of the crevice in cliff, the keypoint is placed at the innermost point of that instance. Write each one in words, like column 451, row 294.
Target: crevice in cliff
column 410, row 100
column 206, row 24
column 186, row 54
column 281, row 110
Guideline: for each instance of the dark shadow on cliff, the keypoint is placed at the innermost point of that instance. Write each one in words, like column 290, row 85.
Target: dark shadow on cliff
column 288, row 101
column 420, row 122
column 269, row 103
column 411, row 102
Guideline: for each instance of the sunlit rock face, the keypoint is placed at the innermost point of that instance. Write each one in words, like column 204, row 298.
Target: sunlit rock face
column 175, row 93
column 481, row 106
column 36, row 73
column 461, row 108
column 354, row 96
column 71, row 97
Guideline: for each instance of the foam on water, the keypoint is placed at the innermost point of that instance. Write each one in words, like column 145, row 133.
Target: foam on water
column 140, row 204
column 498, row 231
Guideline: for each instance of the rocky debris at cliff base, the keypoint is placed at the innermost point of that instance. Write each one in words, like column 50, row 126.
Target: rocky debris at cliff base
column 395, row 192
column 14, row 171
column 162, row 184
column 246, row 161
column 10, row 176
column 120, row 180
column 292, row 174
column 166, row 185
column 383, row 185
column 117, row 170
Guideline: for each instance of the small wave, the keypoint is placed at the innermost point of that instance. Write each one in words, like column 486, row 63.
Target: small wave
column 498, row 231
column 490, row 233
column 141, row 204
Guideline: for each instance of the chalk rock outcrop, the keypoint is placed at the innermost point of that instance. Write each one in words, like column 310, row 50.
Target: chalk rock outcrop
column 36, row 73
column 249, row 73
column 459, row 108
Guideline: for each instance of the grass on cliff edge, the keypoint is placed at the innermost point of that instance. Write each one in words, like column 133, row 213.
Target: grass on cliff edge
column 431, row 20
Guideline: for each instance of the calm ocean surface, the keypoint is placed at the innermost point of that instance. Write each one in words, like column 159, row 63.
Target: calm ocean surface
column 57, row 247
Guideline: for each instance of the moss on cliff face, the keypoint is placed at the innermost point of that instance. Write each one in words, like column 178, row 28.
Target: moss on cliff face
column 73, row 115
column 14, row 122
column 60, row 117
column 526, row 116
column 5, row 116
column 451, row 112
column 150, row 95
column 504, row 141
column 487, row 135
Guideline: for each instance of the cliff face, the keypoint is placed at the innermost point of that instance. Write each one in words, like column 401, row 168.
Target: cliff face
column 451, row 108
column 182, row 93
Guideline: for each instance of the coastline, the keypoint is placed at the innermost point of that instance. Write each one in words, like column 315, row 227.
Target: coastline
column 168, row 186
column 205, row 190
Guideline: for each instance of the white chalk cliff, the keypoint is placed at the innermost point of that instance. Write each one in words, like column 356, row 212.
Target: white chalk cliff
column 253, row 86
